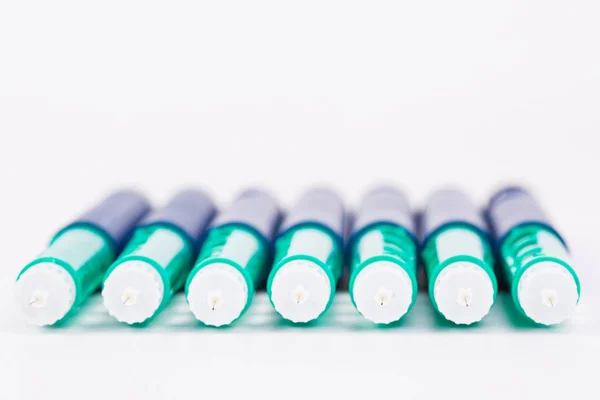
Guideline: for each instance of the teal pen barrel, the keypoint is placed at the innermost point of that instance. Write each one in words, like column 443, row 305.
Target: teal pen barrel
column 234, row 259
column 308, row 257
column 535, row 262
column 307, row 267
column 458, row 259
column 383, row 273
column 61, row 278
column 141, row 282
column 383, row 257
column 158, row 258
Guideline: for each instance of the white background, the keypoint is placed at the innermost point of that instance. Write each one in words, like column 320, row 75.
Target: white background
column 223, row 94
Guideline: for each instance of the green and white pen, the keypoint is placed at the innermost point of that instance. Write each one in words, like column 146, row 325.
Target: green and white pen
column 158, row 258
column 234, row 259
column 308, row 257
column 458, row 257
column 62, row 277
column 534, row 258
column 383, row 257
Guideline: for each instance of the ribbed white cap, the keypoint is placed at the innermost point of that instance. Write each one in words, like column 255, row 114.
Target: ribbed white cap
column 382, row 292
column 45, row 293
column 217, row 294
column 464, row 292
column 300, row 291
column 547, row 293
column 133, row 291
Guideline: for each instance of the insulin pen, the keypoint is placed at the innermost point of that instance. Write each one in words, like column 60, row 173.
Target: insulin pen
column 458, row 257
column 158, row 258
column 308, row 257
column 234, row 259
column 56, row 283
column 383, row 257
column 534, row 258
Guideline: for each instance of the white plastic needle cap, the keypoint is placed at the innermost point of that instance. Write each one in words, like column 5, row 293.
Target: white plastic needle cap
column 133, row 292
column 382, row 292
column 464, row 293
column 217, row 294
column 45, row 292
column 548, row 293
column 300, row 291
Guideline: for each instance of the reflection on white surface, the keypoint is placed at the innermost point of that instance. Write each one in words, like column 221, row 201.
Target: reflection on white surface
column 341, row 356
